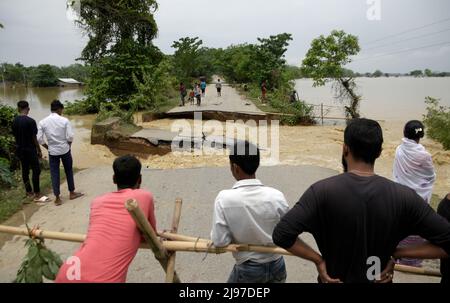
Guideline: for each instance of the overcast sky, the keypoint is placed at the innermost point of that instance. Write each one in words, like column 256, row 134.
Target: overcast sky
column 38, row 31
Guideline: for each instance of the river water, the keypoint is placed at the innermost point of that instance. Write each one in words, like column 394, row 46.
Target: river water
column 85, row 154
column 391, row 98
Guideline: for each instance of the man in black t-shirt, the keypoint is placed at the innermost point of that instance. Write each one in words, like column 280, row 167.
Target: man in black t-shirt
column 25, row 130
column 444, row 211
column 358, row 218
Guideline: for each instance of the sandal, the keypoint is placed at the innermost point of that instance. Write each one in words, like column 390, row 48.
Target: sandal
column 42, row 199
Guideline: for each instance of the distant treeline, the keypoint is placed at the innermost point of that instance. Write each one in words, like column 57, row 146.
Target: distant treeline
column 296, row 71
column 43, row 75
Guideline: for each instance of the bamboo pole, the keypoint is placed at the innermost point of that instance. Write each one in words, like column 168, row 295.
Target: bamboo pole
column 177, row 237
column 202, row 245
column 417, row 270
column 149, row 235
column 175, row 222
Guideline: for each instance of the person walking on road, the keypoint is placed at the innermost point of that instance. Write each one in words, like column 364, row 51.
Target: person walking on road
column 198, row 94
column 183, row 93
column 263, row 91
column 203, row 87
column 219, row 88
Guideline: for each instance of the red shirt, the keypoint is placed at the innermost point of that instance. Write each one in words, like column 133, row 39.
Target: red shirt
column 112, row 239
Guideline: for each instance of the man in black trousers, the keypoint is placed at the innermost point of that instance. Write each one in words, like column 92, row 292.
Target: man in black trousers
column 27, row 148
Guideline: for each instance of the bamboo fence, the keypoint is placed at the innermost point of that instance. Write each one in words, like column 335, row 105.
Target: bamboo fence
column 164, row 251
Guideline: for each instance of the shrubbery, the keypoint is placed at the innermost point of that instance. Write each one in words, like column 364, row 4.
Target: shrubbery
column 8, row 160
column 437, row 120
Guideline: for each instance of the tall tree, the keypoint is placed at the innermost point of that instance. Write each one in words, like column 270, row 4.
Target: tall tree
column 269, row 61
column 325, row 61
column 428, row 72
column 44, row 75
column 186, row 57
column 120, row 47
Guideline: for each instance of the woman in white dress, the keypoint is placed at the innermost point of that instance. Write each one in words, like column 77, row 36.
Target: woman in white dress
column 413, row 167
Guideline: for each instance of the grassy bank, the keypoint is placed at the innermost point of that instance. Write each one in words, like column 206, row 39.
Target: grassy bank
column 14, row 199
column 298, row 113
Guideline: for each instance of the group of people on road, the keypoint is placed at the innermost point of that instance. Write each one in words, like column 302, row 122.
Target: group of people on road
column 354, row 216
column 55, row 134
column 197, row 92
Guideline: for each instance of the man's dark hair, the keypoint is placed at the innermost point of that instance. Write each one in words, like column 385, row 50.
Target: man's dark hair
column 414, row 130
column 245, row 155
column 364, row 137
column 127, row 170
column 56, row 105
column 21, row 105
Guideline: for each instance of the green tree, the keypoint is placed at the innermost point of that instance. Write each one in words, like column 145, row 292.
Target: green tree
column 428, row 72
column 416, row 73
column 120, row 48
column 377, row 74
column 14, row 72
column 325, row 61
column 186, row 57
column 268, row 59
column 44, row 75
column 236, row 63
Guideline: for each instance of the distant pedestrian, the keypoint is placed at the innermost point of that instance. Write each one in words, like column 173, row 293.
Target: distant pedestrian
column 203, row 87
column 58, row 132
column 183, row 93
column 263, row 91
column 219, row 88
column 294, row 97
column 198, row 94
column 192, row 96
column 28, row 151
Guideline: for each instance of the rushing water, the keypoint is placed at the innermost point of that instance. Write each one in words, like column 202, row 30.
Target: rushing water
column 383, row 98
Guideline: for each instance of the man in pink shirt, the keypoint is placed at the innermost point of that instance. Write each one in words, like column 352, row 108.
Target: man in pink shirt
column 112, row 239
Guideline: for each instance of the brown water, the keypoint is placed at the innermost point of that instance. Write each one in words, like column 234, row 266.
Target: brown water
column 85, row 155
column 390, row 98
column 319, row 145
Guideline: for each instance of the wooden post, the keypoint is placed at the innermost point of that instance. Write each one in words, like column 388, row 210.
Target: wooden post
column 321, row 111
column 149, row 235
column 175, row 222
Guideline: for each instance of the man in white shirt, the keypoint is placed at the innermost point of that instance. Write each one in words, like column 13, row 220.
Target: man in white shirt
column 248, row 213
column 58, row 132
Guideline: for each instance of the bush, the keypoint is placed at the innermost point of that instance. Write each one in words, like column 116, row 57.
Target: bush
column 437, row 120
column 7, row 142
column 6, row 176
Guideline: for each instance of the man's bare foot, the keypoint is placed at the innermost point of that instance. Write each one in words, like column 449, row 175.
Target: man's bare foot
column 74, row 195
column 58, row 201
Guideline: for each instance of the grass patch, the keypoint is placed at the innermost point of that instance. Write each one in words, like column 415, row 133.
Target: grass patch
column 297, row 113
column 253, row 93
column 169, row 104
column 14, row 199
